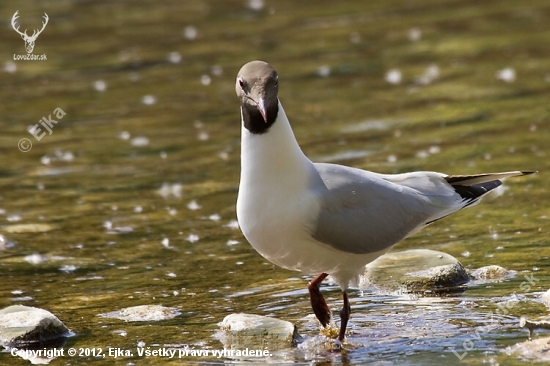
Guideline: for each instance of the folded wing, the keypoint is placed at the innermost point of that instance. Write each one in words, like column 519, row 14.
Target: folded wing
column 363, row 212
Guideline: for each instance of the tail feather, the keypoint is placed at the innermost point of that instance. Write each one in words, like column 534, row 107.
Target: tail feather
column 469, row 180
column 473, row 187
column 473, row 192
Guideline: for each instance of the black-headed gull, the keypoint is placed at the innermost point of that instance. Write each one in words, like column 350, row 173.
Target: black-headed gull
column 328, row 218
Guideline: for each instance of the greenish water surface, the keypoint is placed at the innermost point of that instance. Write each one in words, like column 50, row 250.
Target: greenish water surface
column 131, row 198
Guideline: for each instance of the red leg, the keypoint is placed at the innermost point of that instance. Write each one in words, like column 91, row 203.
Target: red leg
column 318, row 303
column 344, row 317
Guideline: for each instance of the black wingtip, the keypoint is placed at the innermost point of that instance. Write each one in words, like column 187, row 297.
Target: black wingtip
column 473, row 192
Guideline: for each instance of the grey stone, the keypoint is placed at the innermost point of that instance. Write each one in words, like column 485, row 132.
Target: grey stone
column 535, row 350
column 22, row 326
column 417, row 271
column 29, row 228
column 493, row 272
column 143, row 313
column 248, row 328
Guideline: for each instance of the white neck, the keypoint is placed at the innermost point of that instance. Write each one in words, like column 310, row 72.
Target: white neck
column 274, row 154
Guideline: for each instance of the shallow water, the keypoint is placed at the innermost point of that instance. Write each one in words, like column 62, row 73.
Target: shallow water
column 131, row 199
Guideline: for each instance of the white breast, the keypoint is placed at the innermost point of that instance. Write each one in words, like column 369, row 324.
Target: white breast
column 274, row 207
column 277, row 210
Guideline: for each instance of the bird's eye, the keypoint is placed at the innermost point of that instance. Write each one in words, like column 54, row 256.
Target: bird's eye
column 241, row 83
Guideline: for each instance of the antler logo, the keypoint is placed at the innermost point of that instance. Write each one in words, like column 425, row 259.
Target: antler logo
column 29, row 40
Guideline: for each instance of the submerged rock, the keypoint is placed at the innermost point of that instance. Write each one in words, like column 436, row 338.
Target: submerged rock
column 143, row 313
column 492, row 272
column 248, row 328
column 536, row 350
column 419, row 271
column 29, row 228
column 24, row 326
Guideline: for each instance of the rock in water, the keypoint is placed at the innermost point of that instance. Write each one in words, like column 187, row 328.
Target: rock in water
column 536, row 350
column 29, row 228
column 240, row 328
column 493, row 272
column 143, row 313
column 25, row 326
column 418, row 271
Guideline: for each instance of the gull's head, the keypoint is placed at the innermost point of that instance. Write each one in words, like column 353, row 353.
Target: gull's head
column 257, row 87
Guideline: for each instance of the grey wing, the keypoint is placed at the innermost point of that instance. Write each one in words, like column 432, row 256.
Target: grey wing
column 364, row 212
